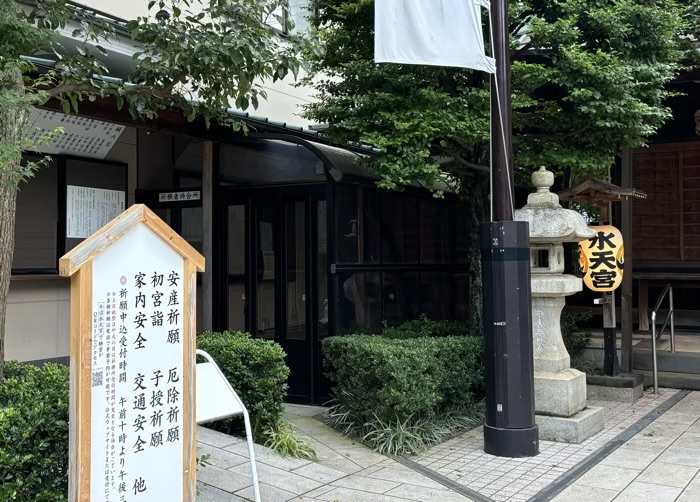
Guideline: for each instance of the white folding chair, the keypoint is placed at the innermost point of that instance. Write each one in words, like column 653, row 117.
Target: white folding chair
column 216, row 399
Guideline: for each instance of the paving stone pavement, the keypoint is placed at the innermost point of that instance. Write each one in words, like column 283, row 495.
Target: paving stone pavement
column 463, row 460
column 657, row 464
column 345, row 470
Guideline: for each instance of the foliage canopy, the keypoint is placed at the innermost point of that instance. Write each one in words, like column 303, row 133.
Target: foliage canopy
column 588, row 78
column 196, row 56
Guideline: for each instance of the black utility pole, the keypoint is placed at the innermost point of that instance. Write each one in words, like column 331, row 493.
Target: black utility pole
column 510, row 429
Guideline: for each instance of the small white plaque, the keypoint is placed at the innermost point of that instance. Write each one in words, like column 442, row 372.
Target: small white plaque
column 179, row 196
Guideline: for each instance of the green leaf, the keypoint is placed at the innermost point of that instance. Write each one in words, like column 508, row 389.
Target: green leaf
column 73, row 102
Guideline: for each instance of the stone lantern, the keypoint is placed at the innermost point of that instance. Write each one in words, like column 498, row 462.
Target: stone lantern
column 560, row 391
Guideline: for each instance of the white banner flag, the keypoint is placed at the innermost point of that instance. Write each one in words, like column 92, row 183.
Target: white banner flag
column 431, row 32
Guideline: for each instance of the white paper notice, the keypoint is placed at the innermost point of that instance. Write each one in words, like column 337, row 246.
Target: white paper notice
column 89, row 209
column 137, row 371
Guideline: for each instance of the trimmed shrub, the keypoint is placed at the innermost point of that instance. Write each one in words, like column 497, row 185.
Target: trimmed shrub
column 257, row 371
column 34, row 402
column 399, row 394
column 575, row 338
column 460, row 364
column 34, row 433
column 387, row 377
column 373, row 375
column 425, row 327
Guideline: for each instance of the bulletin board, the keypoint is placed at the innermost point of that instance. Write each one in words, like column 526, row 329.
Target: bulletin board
column 94, row 194
column 42, row 234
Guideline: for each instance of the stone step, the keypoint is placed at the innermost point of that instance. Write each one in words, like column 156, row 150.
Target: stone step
column 680, row 362
column 688, row 381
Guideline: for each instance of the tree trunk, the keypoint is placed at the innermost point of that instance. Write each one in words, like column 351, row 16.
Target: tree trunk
column 474, row 188
column 8, row 200
column 12, row 122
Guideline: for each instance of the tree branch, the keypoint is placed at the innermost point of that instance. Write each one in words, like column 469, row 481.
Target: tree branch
column 520, row 50
column 109, row 91
column 550, row 135
column 457, row 158
column 68, row 88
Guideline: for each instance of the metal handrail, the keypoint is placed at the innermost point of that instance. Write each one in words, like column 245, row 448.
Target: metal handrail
column 668, row 289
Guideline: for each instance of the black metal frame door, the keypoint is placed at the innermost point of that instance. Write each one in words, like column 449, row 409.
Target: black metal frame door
column 234, row 291
column 281, row 247
column 320, row 277
column 296, row 294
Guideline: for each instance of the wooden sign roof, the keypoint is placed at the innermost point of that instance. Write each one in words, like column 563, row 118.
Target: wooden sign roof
column 595, row 191
column 116, row 229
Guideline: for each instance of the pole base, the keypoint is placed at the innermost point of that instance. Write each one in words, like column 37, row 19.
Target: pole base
column 611, row 367
column 514, row 443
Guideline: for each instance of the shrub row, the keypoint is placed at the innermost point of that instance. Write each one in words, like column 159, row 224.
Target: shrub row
column 424, row 327
column 374, row 376
column 257, row 371
column 34, row 413
column 34, row 433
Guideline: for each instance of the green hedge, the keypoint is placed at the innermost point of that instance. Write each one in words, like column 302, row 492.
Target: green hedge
column 34, row 433
column 576, row 339
column 394, row 379
column 257, row 371
column 34, row 412
column 425, row 327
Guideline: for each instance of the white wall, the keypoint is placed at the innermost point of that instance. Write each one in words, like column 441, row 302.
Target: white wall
column 284, row 102
column 284, row 99
column 125, row 9
column 37, row 319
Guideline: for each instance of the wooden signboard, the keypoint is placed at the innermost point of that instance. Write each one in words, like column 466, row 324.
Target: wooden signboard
column 132, row 362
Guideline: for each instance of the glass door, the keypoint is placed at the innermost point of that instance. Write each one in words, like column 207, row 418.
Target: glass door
column 319, row 243
column 236, row 254
column 276, row 256
column 266, row 253
column 295, row 278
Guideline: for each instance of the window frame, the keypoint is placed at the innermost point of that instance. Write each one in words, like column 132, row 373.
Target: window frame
column 60, row 164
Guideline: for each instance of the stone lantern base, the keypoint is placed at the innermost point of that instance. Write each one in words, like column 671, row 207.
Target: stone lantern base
column 560, row 391
column 575, row 429
column 560, row 404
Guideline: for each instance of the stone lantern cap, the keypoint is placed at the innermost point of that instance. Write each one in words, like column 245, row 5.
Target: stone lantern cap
column 549, row 222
